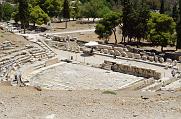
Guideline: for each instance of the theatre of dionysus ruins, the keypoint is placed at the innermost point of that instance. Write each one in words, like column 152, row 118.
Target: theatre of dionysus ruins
column 59, row 61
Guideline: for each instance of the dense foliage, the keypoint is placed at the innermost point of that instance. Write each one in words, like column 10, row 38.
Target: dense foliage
column 107, row 26
column 157, row 21
column 161, row 29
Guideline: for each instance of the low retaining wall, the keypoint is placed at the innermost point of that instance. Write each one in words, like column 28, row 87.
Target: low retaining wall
column 51, row 62
column 133, row 70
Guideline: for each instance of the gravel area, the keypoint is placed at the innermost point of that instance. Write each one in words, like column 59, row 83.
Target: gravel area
column 28, row 103
column 77, row 77
column 99, row 59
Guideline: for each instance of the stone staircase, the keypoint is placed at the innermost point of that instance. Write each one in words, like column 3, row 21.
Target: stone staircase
column 50, row 53
column 158, row 85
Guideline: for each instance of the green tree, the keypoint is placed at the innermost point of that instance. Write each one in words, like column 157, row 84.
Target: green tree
column 6, row 11
column 103, row 32
column 94, row 9
column 127, row 10
column 108, row 25
column 51, row 7
column 24, row 12
column 66, row 11
column 75, row 9
column 161, row 29
column 139, row 18
column 135, row 17
column 38, row 16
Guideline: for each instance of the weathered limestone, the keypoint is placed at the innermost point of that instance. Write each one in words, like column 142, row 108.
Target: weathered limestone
column 179, row 58
column 137, row 56
column 130, row 55
column 144, row 57
column 6, row 45
column 134, row 70
column 106, row 51
column 104, row 47
column 161, row 60
column 169, row 61
column 111, row 52
column 151, row 58
column 130, row 48
column 125, row 49
column 174, row 63
column 120, row 49
column 107, row 65
column 117, row 53
column 124, row 54
column 156, row 59
column 51, row 62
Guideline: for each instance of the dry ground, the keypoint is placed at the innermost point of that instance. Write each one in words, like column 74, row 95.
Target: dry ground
column 72, row 25
column 19, row 41
column 91, row 36
column 28, row 103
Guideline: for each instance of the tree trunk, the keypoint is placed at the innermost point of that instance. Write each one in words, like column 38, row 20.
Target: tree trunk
column 34, row 24
column 93, row 20
column 114, row 31
column 161, row 48
column 24, row 28
column 138, row 42
column 65, row 24
column 122, row 40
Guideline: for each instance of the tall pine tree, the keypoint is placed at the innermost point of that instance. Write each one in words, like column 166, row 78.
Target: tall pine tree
column 175, row 13
column 162, row 7
column 24, row 12
column 127, row 9
column 66, row 11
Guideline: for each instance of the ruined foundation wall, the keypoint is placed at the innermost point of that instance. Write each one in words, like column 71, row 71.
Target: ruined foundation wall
column 133, row 70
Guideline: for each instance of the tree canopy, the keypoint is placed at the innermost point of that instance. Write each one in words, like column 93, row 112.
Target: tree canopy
column 6, row 11
column 38, row 16
column 161, row 29
column 108, row 25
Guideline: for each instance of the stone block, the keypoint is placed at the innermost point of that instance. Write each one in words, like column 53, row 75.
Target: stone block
column 156, row 59
column 174, row 63
column 130, row 48
column 137, row 56
column 144, row 57
column 169, row 60
column 179, row 58
column 51, row 62
column 124, row 54
column 117, row 53
column 125, row 49
column 120, row 49
column 161, row 60
column 111, row 52
column 106, row 51
column 151, row 58
column 130, row 55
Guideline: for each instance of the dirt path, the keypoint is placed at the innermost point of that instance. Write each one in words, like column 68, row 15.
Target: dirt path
column 28, row 103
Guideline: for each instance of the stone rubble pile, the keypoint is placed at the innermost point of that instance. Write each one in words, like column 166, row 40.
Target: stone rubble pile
column 133, row 54
column 66, row 43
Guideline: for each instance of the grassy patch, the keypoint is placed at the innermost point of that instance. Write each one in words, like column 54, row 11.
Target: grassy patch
column 109, row 92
